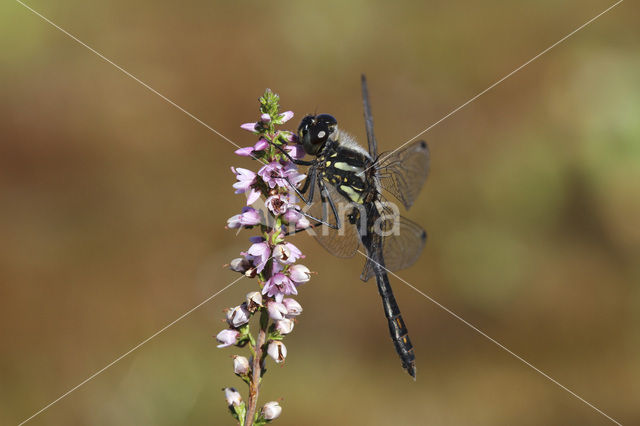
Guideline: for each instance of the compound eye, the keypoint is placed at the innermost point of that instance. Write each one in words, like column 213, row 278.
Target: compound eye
column 324, row 126
column 327, row 119
column 320, row 132
column 303, row 128
column 305, row 123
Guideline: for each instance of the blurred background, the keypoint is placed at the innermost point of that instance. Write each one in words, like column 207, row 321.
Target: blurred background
column 113, row 207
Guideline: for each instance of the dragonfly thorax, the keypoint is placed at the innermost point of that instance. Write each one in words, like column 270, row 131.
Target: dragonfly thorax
column 348, row 167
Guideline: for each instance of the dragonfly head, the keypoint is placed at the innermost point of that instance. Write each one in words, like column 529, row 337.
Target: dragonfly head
column 314, row 131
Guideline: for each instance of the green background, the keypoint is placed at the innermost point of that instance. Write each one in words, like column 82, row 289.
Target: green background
column 113, row 206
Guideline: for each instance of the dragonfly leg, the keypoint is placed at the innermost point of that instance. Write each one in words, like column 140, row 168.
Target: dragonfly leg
column 293, row 160
column 324, row 199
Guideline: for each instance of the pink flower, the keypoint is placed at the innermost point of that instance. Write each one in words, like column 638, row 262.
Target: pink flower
column 276, row 310
column 265, row 118
column 292, row 215
column 284, row 326
column 238, row 316
column 287, row 253
column 276, row 174
column 291, row 172
column 240, row 365
column 277, row 350
column 252, row 196
column 248, row 217
column 271, row 410
column 259, row 252
column 293, row 307
column 254, row 301
column 227, row 338
column 300, row 274
column 273, row 175
column 278, row 204
column 233, row 397
column 246, row 179
column 278, row 286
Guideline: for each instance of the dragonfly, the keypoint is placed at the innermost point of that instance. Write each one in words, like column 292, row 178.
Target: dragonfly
column 343, row 194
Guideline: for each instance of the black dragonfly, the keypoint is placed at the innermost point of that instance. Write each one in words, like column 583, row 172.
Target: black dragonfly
column 343, row 192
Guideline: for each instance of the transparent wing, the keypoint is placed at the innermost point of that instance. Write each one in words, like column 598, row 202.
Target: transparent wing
column 342, row 242
column 403, row 172
column 402, row 244
column 368, row 119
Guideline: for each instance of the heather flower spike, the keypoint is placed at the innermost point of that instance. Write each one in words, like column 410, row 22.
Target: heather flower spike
column 269, row 258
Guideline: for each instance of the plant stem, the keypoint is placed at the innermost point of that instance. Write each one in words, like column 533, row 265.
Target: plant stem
column 256, row 372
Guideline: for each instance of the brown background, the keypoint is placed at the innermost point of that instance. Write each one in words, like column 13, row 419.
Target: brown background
column 113, row 205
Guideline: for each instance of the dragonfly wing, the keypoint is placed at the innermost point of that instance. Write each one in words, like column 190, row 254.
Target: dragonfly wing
column 404, row 171
column 401, row 248
column 368, row 119
column 341, row 242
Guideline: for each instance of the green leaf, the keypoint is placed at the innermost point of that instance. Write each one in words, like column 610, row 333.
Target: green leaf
column 240, row 412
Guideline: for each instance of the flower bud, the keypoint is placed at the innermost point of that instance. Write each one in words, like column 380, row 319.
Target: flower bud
column 261, row 145
column 233, row 397
column 295, row 151
column 277, row 350
column 254, row 301
column 271, row 410
column 277, row 311
column 251, row 127
column 299, row 273
column 292, row 215
column 289, row 137
column 234, row 221
column 244, row 152
column 240, row 365
column 250, row 216
column 265, row 118
column 284, row 326
column 303, row 223
column 227, row 338
column 286, row 116
column 293, row 307
column 238, row 316
column 240, row 264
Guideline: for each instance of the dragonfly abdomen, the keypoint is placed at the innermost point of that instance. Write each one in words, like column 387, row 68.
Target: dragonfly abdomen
column 397, row 328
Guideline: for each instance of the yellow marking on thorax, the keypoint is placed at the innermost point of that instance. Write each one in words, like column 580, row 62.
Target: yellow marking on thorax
column 347, row 167
column 355, row 196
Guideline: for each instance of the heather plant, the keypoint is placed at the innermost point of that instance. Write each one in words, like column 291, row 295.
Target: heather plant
column 270, row 259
